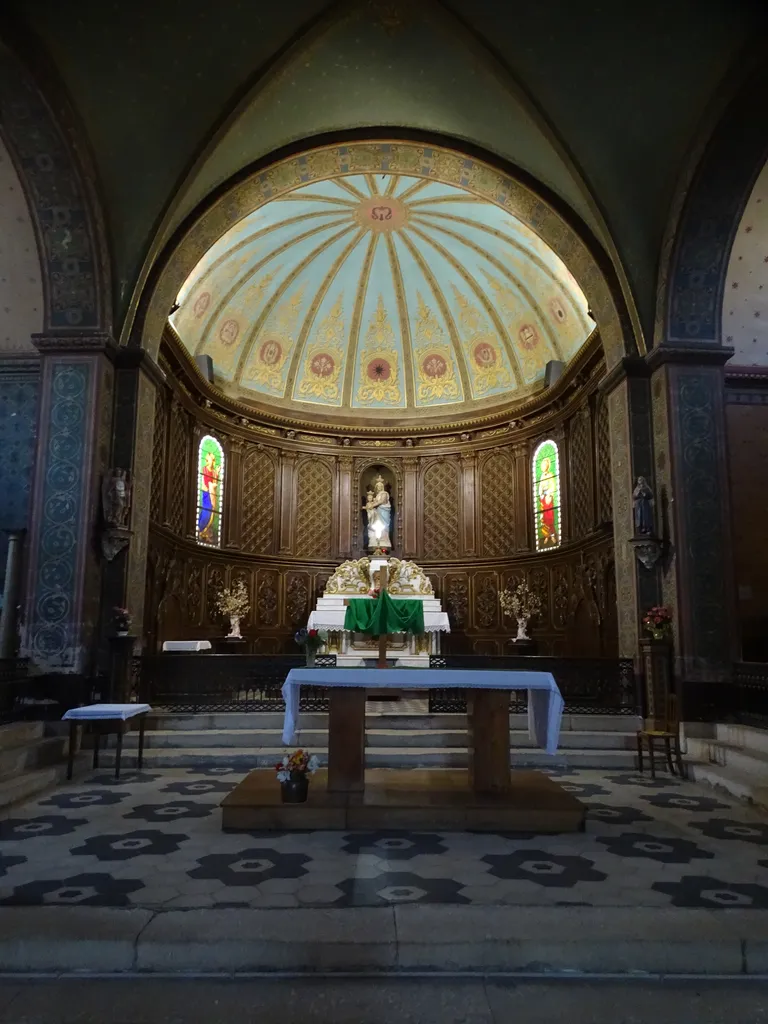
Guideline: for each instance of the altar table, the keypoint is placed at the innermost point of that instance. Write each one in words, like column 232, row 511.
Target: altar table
column 488, row 706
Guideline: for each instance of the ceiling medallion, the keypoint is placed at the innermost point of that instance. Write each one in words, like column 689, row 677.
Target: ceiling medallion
column 381, row 214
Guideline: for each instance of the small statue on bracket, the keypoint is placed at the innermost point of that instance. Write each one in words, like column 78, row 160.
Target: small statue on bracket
column 116, row 509
column 642, row 505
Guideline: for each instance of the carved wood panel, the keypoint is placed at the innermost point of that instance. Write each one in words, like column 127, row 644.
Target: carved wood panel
column 296, row 598
column 244, row 576
column 456, row 601
column 213, row 587
column 158, row 457
column 177, row 467
column 267, row 590
column 580, row 475
column 440, row 511
column 314, row 510
column 195, row 593
column 486, row 601
column 258, row 502
column 603, row 445
column 497, row 489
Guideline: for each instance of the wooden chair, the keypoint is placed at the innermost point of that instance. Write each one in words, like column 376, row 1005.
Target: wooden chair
column 667, row 729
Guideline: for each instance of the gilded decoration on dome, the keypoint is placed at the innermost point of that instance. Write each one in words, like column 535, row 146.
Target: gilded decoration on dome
column 324, row 358
column 435, row 371
column 379, row 372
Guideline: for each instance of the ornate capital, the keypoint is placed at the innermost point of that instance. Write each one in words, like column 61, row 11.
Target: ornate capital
column 58, row 342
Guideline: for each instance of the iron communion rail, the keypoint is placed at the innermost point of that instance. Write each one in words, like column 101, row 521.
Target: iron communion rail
column 206, row 683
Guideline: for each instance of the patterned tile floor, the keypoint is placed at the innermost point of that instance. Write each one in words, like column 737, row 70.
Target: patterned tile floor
column 154, row 839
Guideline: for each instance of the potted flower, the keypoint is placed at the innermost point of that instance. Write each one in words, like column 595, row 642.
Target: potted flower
column 658, row 622
column 522, row 603
column 311, row 640
column 122, row 621
column 233, row 602
column 293, row 775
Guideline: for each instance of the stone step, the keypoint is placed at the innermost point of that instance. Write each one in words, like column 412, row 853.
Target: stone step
column 393, row 757
column 18, row 734
column 263, row 720
column 736, row 784
column 744, row 736
column 39, row 753
column 752, row 763
column 375, row 738
column 33, row 783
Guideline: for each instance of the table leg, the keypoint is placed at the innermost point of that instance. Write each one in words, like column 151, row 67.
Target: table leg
column 96, row 738
column 142, row 721
column 489, row 741
column 72, row 745
column 119, row 750
column 346, row 740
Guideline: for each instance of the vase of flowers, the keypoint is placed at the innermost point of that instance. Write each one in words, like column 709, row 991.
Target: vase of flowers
column 658, row 623
column 122, row 621
column 293, row 775
column 311, row 640
column 523, row 604
column 233, row 602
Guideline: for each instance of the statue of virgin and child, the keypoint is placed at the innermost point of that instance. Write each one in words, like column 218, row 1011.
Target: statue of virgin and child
column 378, row 511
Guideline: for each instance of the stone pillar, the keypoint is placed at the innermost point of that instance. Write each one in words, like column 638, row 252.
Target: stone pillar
column 469, row 496
column 11, row 594
column 62, row 607
column 693, row 505
column 629, row 414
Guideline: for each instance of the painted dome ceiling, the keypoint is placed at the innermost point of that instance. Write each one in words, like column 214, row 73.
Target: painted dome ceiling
column 389, row 298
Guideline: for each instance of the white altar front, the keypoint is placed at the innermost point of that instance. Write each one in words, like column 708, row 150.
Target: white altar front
column 360, row 579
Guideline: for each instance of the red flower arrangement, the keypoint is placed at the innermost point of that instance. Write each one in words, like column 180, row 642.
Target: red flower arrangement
column 658, row 622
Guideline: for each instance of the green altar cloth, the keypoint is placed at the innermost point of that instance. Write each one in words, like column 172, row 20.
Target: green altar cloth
column 385, row 615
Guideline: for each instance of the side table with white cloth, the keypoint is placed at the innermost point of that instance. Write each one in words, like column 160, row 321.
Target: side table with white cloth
column 186, row 646
column 106, row 718
column 488, row 704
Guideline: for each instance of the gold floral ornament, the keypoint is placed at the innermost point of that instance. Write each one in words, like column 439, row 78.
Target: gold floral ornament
column 233, row 602
column 522, row 602
column 275, row 341
column 380, row 361
column 325, row 358
column 435, row 369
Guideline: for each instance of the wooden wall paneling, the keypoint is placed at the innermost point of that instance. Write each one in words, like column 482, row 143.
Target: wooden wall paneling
column 314, row 528
column 580, row 474
column 267, row 599
column 214, row 584
column 194, row 591
column 159, row 460
column 455, row 600
column 243, row 574
column 196, row 435
column 439, row 509
column 233, row 493
column 561, row 592
column 487, row 613
column 538, row 580
column 287, row 500
column 258, row 501
column 521, row 454
column 468, row 506
column 499, row 501
column 603, row 463
column 297, row 591
column 177, row 469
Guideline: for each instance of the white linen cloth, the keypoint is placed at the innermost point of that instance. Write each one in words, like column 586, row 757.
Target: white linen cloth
column 96, row 712
column 545, row 702
column 187, row 645
column 333, row 619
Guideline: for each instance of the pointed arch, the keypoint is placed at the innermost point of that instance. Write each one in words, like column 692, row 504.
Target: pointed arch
column 210, row 491
column 547, row 505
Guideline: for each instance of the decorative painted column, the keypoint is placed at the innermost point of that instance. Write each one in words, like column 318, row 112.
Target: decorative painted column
column 469, row 499
column 408, row 517
column 233, row 488
column 11, row 594
column 287, row 500
column 521, row 455
column 344, row 475
column 64, row 575
column 692, row 476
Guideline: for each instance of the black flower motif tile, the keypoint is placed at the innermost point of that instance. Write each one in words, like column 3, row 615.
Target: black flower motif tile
column 584, row 789
column 214, row 770
column 249, row 867
column 398, row 887
column 548, row 869
column 126, row 779
column 9, row 862
column 394, row 845
column 171, row 811
column 667, row 851
column 129, row 845
column 643, row 781
column 685, row 801
column 92, row 798
column 614, row 815
column 702, row 891
column 44, row 825
column 88, row 890
column 199, row 788
column 561, row 771
column 724, row 828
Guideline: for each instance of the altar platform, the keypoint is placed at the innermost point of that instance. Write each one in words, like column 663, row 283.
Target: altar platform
column 406, row 799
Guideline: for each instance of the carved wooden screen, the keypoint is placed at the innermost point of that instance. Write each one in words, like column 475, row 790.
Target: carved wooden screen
column 440, row 509
column 158, row 458
column 581, row 483
column 176, row 466
column 604, row 485
column 498, row 506
column 258, row 502
column 314, row 507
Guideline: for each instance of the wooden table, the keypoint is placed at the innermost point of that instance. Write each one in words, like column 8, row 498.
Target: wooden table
column 106, row 718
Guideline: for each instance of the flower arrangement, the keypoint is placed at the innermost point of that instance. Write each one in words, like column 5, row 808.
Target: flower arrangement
column 658, row 622
column 233, row 601
column 374, row 592
column 300, row 762
column 522, row 602
column 309, row 639
column 122, row 620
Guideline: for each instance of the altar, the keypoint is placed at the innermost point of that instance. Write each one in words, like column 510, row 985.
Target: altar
column 360, row 579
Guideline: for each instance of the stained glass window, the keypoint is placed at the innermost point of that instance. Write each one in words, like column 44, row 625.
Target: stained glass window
column 547, row 513
column 210, row 490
